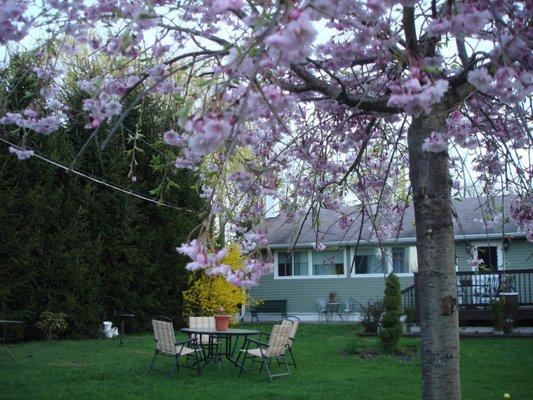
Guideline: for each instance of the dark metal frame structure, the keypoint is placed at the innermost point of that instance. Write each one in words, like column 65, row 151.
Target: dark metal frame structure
column 198, row 355
column 123, row 316
column 265, row 360
column 5, row 323
column 230, row 346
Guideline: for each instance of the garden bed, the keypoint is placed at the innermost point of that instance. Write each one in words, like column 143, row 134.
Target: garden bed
column 472, row 333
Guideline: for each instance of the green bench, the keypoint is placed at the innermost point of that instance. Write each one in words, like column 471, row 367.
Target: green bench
column 269, row 307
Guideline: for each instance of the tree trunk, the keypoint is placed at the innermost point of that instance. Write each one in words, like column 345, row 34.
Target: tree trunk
column 439, row 330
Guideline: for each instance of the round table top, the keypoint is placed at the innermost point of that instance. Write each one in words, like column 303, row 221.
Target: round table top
column 124, row 315
column 213, row 331
column 7, row 321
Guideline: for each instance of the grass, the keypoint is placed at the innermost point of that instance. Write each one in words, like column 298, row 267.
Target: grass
column 100, row 369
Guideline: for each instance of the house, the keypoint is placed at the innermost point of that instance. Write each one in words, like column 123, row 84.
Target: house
column 356, row 269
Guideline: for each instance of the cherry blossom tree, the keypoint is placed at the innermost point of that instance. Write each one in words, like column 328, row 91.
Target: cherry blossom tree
column 387, row 102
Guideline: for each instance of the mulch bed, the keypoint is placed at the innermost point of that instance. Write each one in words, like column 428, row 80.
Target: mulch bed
column 404, row 354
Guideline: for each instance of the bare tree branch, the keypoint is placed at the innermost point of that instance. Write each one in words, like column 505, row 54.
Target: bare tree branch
column 359, row 101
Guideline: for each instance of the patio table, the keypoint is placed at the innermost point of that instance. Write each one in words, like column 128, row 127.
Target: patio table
column 5, row 323
column 123, row 316
column 333, row 308
column 230, row 338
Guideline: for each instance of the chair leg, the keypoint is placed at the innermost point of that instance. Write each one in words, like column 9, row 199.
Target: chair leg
column 292, row 357
column 197, row 363
column 265, row 363
column 175, row 367
column 152, row 363
column 287, row 365
column 241, row 367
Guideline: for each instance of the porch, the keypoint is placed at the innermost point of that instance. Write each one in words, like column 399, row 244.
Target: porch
column 477, row 290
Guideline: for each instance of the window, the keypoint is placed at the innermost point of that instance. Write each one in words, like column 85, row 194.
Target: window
column 489, row 255
column 399, row 264
column 368, row 264
column 328, row 263
column 292, row 264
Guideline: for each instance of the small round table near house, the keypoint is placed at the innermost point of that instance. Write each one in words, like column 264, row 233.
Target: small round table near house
column 229, row 337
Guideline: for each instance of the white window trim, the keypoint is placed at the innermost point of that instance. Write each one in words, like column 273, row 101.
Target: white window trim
column 332, row 276
column 276, row 267
column 309, row 267
column 358, row 276
column 388, row 261
column 499, row 251
column 405, row 259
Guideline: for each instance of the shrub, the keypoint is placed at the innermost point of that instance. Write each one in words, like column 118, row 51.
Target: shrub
column 206, row 294
column 371, row 314
column 496, row 314
column 52, row 323
column 391, row 327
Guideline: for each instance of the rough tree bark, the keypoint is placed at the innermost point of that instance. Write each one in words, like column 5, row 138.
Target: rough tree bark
column 431, row 185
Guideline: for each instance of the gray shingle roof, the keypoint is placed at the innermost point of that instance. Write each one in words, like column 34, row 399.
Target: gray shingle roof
column 468, row 211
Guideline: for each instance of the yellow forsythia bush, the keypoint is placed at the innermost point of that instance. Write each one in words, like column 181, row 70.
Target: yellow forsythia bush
column 205, row 294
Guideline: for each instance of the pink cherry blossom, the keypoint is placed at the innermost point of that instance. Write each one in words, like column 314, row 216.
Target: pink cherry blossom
column 213, row 132
column 172, row 138
column 435, row 143
column 21, row 154
column 221, row 6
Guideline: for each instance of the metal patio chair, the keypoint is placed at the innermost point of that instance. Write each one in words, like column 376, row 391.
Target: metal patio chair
column 348, row 308
column 166, row 345
column 275, row 349
column 211, row 343
column 322, row 308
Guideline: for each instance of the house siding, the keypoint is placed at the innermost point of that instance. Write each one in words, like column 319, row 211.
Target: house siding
column 301, row 294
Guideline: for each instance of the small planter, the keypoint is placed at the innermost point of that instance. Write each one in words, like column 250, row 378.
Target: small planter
column 222, row 322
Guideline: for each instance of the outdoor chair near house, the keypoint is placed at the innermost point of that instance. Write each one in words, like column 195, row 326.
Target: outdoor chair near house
column 166, row 345
column 348, row 308
column 322, row 308
column 263, row 353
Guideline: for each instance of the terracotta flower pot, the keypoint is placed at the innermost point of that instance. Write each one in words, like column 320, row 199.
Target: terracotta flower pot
column 222, row 322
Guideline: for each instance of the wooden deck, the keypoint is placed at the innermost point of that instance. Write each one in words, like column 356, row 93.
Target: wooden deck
column 476, row 291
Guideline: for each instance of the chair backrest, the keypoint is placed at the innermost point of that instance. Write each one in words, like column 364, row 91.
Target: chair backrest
column 348, row 305
column 294, row 327
column 165, row 339
column 201, row 322
column 279, row 338
column 322, row 304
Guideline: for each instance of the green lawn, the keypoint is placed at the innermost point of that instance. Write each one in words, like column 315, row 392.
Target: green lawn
column 100, row 369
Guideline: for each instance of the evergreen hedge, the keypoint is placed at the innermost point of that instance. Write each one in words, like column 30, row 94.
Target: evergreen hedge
column 70, row 245
column 391, row 328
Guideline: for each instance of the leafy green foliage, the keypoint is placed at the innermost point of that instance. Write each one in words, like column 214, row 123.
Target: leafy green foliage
column 496, row 314
column 371, row 314
column 72, row 245
column 391, row 327
column 51, row 322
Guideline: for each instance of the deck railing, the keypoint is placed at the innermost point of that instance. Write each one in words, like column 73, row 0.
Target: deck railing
column 480, row 289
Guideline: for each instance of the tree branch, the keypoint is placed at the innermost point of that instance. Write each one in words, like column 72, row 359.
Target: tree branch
column 359, row 101
column 410, row 29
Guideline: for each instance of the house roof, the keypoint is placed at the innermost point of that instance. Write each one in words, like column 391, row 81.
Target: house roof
column 467, row 226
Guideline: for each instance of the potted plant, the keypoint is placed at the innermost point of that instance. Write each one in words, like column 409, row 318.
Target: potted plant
column 222, row 320
column 332, row 297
